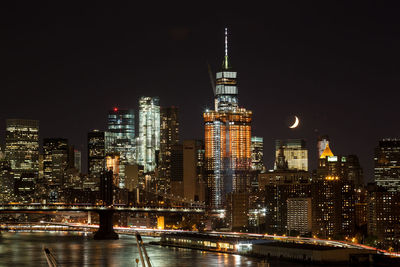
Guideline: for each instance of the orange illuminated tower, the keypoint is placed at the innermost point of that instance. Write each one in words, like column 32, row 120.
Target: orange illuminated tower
column 227, row 139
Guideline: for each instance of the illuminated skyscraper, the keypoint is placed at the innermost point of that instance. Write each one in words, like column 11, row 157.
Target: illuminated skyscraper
column 96, row 155
column 323, row 141
column 227, row 139
column 120, row 138
column 22, row 151
column 257, row 153
column 295, row 153
column 55, row 161
column 148, row 145
column 387, row 164
column 169, row 136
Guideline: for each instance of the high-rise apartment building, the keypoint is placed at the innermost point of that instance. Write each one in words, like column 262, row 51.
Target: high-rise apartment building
column 169, row 136
column 384, row 215
column 333, row 196
column 295, row 152
column 227, row 139
column 299, row 216
column 277, row 187
column 148, row 145
column 55, row 161
column 257, row 153
column 120, row 138
column 387, row 164
column 22, row 152
column 96, row 155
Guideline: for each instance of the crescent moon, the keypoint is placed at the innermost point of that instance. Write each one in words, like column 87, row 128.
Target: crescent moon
column 296, row 123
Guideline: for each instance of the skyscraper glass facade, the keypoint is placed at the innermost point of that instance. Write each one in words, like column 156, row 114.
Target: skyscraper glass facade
column 148, row 145
column 227, row 140
column 169, row 136
column 120, row 138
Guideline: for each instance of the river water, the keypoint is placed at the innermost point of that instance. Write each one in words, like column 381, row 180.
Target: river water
column 76, row 249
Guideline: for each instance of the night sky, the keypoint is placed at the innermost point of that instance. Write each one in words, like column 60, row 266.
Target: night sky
column 335, row 66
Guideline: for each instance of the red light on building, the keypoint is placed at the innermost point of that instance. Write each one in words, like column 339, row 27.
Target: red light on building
column 115, row 109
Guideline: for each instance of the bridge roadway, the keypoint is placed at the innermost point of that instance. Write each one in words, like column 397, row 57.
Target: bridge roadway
column 98, row 208
column 106, row 230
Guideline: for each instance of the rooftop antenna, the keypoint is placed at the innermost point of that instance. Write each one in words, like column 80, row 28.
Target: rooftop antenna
column 226, row 65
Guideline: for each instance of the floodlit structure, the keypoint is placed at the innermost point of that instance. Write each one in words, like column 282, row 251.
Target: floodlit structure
column 227, row 139
column 295, row 152
column 148, row 145
column 120, row 138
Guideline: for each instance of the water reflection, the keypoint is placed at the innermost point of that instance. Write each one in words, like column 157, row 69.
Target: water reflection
column 75, row 249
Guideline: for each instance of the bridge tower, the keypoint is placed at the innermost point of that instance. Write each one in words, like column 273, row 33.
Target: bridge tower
column 106, row 230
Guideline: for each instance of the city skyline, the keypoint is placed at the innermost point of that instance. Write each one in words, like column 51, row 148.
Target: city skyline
column 338, row 68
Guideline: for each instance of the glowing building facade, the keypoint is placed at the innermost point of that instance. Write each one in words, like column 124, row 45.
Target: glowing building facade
column 96, row 155
column 22, row 152
column 148, row 145
column 387, row 164
column 323, row 141
column 55, row 161
column 295, row 152
column 227, row 139
column 120, row 138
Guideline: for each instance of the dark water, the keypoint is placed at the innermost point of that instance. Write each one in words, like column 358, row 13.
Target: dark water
column 75, row 249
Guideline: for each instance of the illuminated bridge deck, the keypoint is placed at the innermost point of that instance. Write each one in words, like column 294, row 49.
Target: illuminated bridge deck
column 96, row 208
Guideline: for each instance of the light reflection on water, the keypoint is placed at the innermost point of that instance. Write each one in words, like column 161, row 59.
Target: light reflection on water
column 76, row 249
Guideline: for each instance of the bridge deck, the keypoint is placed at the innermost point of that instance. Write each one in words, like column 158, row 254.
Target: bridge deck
column 54, row 207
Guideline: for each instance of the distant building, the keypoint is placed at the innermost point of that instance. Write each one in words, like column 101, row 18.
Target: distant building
column 333, row 196
column 384, row 216
column 113, row 165
column 96, row 155
column 148, row 145
column 299, row 216
column 238, row 211
column 120, row 138
column 169, row 136
column 387, row 164
column 323, row 141
column 78, row 160
column 295, row 152
column 257, row 153
column 22, row 152
column 177, row 188
column 55, row 161
column 6, row 182
column 227, row 139
column 194, row 184
column 278, row 186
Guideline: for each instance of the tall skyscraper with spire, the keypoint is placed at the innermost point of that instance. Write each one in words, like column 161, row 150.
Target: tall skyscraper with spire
column 227, row 139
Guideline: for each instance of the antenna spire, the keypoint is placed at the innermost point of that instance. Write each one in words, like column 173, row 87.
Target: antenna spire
column 225, row 64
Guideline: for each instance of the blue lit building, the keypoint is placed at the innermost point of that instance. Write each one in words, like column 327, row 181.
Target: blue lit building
column 120, row 139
